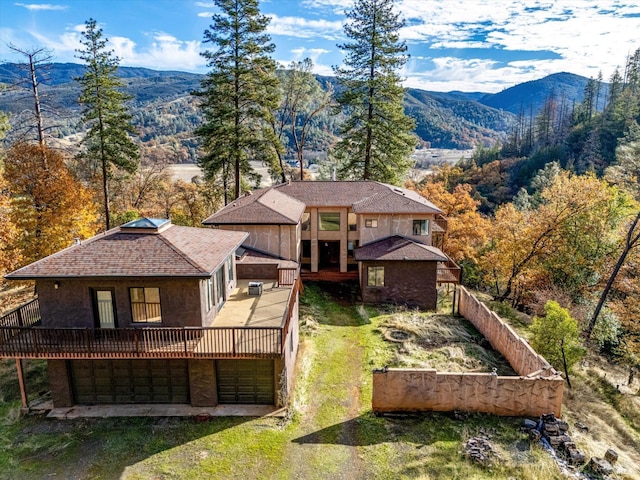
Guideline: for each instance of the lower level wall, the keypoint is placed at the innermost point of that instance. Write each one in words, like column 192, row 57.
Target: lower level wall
column 60, row 383
column 410, row 390
column 202, row 383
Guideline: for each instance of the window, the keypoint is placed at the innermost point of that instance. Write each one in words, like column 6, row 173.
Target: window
column 329, row 221
column 421, row 227
column 306, row 248
column 145, row 305
column 306, row 221
column 220, row 291
column 209, row 292
column 375, row 276
column 371, row 223
column 352, row 220
column 230, row 270
column 351, row 246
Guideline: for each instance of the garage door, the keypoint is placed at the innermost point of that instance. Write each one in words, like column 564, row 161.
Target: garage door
column 245, row 381
column 130, row 381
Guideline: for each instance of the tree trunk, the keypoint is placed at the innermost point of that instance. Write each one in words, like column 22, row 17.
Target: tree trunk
column 630, row 243
column 564, row 364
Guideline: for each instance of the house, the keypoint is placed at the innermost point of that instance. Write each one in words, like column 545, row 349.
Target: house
column 156, row 313
column 383, row 235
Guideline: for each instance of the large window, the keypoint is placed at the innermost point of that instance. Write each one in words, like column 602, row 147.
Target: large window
column 375, row 276
column 421, row 227
column 371, row 223
column 329, row 221
column 145, row 304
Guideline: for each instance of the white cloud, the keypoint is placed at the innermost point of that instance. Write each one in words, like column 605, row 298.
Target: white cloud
column 41, row 6
column 571, row 35
column 205, row 14
column 301, row 53
column 164, row 52
column 304, row 28
column 336, row 6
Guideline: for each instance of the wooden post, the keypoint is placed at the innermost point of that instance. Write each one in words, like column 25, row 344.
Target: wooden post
column 453, row 304
column 23, row 391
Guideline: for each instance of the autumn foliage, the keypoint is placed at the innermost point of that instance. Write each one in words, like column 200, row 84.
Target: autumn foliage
column 466, row 228
column 49, row 207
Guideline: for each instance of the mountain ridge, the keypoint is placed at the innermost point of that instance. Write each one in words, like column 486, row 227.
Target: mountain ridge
column 453, row 119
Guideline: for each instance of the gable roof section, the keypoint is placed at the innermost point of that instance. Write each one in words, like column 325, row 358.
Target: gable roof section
column 362, row 196
column 177, row 251
column 391, row 199
column 397, row 247
column 267, row 206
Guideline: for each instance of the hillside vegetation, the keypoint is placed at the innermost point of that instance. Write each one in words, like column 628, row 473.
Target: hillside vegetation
column 165, row 114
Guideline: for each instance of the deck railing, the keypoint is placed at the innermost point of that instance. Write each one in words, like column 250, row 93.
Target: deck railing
column 21, row 337
column 448, row 272
column 168, row 342
column 24, row 316
column 287, row 276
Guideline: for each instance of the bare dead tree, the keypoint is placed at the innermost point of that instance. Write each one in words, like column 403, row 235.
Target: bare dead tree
column 36, row 67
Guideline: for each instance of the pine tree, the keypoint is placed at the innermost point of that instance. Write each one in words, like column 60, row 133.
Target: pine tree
column 238, row 95
column 377, row 138
column 108, row 144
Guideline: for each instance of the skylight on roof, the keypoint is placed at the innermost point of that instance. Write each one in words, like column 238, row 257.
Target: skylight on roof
column 146, row 223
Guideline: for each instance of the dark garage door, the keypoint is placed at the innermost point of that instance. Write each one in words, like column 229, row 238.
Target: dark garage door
column 130, row 381
column 245, row 381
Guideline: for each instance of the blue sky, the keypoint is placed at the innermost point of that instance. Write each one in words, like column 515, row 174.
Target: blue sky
column 468, row 45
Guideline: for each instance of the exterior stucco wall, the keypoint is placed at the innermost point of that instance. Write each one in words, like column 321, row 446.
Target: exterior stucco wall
column 71, row 304
column 392, row 225
column 405, row 282
column 290, row 355
column 279, row 240
column 257, row 270
column 410, row 390
column 60, row 383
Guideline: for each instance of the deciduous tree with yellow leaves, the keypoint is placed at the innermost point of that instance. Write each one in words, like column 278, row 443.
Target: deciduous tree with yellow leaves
column 49, row 207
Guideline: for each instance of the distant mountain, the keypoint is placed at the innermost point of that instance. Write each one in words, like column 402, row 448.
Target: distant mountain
column 165, row 113
column 530, row 96
column 448, row 120
column 59, row 73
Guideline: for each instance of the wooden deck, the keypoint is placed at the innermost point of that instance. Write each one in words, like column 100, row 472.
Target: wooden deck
column 253, row 327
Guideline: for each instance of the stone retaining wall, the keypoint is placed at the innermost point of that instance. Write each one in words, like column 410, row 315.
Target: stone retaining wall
column 537, row 391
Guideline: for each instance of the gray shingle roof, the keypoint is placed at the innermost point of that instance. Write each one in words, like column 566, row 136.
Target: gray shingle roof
column 267, row 206
column 284, row 204
column 397, row 247
column 176, row 251
column 363, row 196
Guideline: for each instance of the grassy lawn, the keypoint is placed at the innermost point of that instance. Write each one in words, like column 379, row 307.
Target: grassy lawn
column 329, row 434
